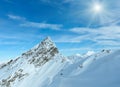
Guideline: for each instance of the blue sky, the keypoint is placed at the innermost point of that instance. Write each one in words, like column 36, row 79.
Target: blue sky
column 74, row 25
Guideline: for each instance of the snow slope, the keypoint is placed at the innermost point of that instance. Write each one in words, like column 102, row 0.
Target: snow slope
column 100, row 70
column 44, row 66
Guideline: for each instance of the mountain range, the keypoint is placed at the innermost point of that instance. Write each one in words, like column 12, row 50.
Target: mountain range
column 44, row 66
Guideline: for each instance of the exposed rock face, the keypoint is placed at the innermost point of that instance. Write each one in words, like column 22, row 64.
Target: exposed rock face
column 42, row 52
column 18, row 75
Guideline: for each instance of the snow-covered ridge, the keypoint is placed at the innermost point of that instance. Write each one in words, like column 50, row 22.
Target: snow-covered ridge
column 99, row 70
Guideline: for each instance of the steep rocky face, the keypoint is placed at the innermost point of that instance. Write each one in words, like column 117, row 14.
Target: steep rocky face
column 42, row 53
column 45, row 47
column 15, row 70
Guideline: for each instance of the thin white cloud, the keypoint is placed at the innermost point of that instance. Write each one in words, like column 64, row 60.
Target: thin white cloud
column 17, row 39
column 19, row 36
column 76, row 49
column 103, row 36
column 7, row 37
column 42, row 25
column 15, row 17
column 103, row 32
column 69, row 39
column 11, row 42
column 109, row 43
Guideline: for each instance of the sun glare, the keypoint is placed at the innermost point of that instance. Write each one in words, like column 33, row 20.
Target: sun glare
column 98, row 12
column 97, row 8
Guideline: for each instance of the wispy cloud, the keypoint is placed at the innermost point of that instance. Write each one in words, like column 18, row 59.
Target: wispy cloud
column 69, row 38
column 17, row 39
column 103, row 36
column 15, row 17
column 42, row 25
column 7, row 37
column 76, row 49
column 11, row 42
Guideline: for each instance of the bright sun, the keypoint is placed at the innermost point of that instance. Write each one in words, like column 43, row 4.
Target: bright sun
column 100, row 14
column 97, row 8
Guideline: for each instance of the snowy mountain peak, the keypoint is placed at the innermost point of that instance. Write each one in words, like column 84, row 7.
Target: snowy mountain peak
column 47, row 42
column 47, row 39
column 41, row 53
column 45, row 47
